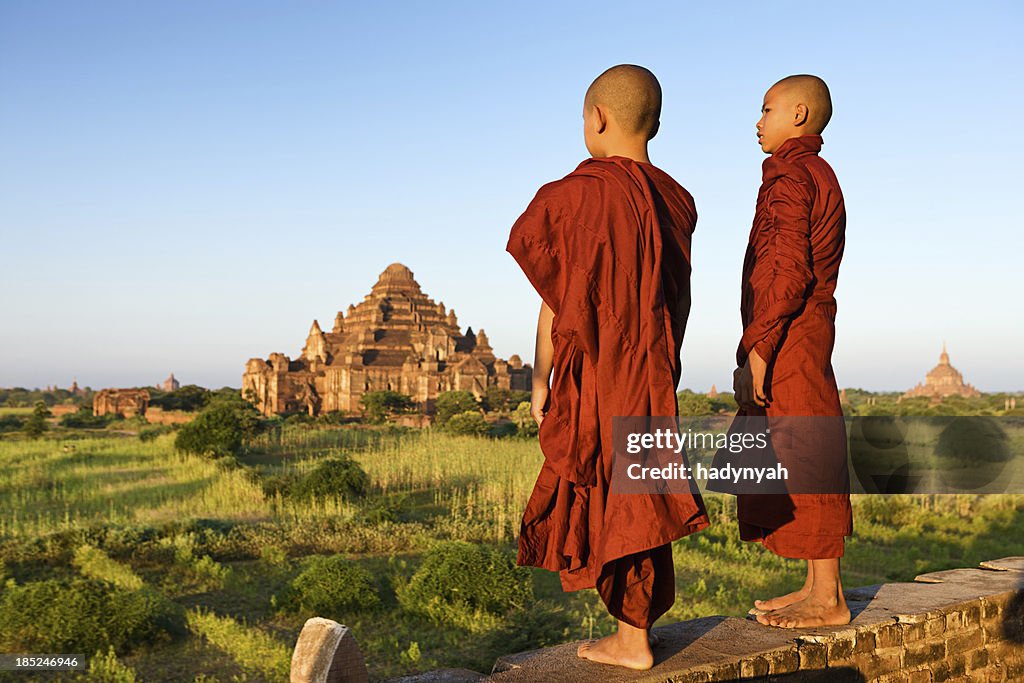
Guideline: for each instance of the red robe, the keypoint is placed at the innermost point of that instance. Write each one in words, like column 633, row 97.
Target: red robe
column 788, row 309
column 608, row 249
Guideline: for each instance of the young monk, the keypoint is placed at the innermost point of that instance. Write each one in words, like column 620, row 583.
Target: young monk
column 788, row 311
column 608, row 250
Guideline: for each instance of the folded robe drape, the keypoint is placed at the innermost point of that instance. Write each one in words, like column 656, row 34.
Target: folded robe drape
column 608, row 249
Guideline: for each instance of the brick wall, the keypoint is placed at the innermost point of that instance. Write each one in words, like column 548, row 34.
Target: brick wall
column 955, row 625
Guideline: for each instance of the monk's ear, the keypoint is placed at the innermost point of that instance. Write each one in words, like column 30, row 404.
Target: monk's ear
column 600, row 119
column 800, row 115
column 654, row 130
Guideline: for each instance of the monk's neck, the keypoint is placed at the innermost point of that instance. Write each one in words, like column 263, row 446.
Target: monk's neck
column 635, row 152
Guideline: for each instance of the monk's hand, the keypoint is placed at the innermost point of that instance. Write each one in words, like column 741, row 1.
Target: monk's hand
column 538, row 397
column 758, row 371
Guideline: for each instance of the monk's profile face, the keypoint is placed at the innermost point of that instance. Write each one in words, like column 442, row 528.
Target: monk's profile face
column 796, row 105
column 778, row 121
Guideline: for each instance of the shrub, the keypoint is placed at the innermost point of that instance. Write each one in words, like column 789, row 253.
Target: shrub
column 188, row 398
column 459, row 579
column 335, row 477
column 96, row 564
column 502, row 429
column 333, row 417
column 497, row 399
column 220, row 429
column 333, row 586
column 84, row 419
column 526, row 426
column 451, row 403
column 378, row 406
column 691, row 404
column 9, row 423
column 82, row 615
column 150, row 433
column 469, row 423
column 105, row 668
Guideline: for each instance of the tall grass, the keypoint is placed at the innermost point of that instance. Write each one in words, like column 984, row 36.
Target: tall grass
column 44, row 489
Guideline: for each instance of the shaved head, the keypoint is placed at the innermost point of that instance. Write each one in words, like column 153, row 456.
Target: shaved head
column 811, row 92
column 631, row 95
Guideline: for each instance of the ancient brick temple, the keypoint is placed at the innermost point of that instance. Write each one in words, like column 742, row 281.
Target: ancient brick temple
column 395, row 339
column 126, row 402
column 943, row 380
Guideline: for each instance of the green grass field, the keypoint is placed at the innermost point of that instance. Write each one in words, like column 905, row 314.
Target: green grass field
column 214, row 538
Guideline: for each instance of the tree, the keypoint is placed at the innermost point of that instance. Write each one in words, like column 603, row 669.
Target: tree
column 498, row 399
column 379, row 406
column 451, row 403
column 36, row 425
column 221, row 429
column 189, row 398
column 691, row 404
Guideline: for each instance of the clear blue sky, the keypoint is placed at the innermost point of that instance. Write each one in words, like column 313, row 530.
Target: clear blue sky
column 187, row 185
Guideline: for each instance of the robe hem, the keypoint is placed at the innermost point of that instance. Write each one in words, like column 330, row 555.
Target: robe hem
column 572, row 586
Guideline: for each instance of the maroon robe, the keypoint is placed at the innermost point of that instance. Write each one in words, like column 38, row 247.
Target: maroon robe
column 788, row 309
column 608, row 249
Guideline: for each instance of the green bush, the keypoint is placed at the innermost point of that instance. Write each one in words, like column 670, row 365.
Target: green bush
column 469, row 423
column 502, row 429
column 526, row 426
column 83, row 615
column 221, row 428
column 9, row 423
column 335, row 477
column 333, row 417
column 96, row 564
column 452, row 403
column 150, row 433
column 84, row 419
column 691, row 404
column 459, row 579
column 105, row 668
column 502, row 400
column 333, row 586
column 379, row 406
column 188, row 398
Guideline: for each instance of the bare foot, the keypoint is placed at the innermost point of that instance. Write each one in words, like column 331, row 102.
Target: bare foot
column 612, row 650
column 807, row 613
column 762, row 606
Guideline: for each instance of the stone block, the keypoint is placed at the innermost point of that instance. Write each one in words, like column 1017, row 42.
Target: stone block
column 950, row 668
column 919, row 676
column 326, row 652
column 920, row 654
column 881, row 663
column 889, row 635
column 812, row 655
column 977, row 659
column 964, row 641
column 865, row 642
